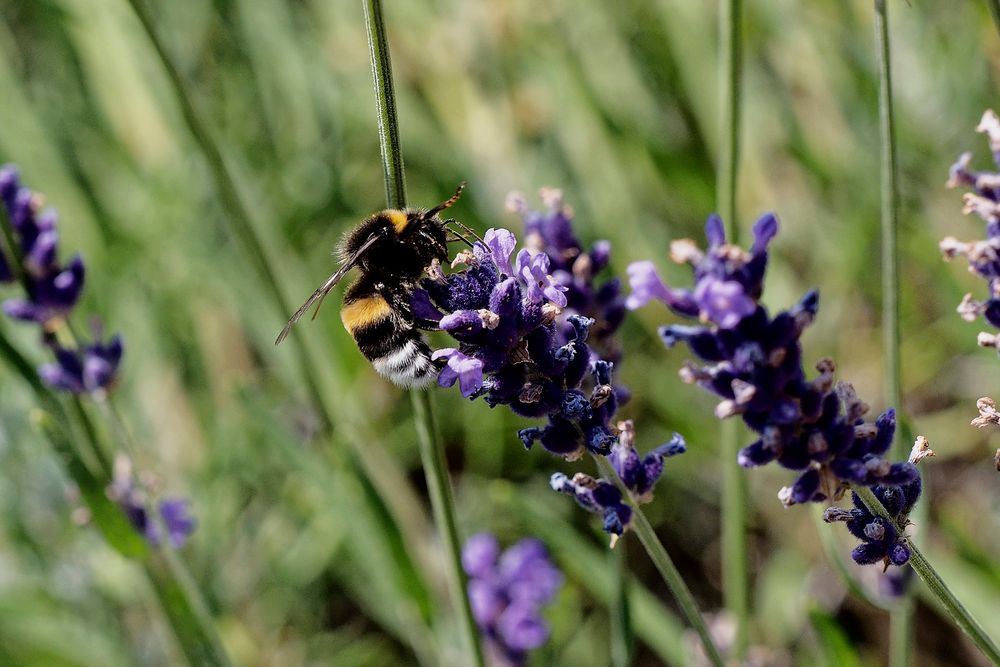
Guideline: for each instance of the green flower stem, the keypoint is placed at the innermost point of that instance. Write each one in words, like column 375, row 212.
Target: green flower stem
column 735, row 498
column 937, row 587
column 431, row 447
column 179, row 597
column 619, row 609
column 901, row 616
column 238, row 215
column 369, row 458
column 671, row 576
column 184, row 608
column 443, row 505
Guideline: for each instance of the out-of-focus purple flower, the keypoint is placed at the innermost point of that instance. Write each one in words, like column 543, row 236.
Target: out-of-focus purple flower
column 507, row 593
column 52, row 289
column 90, row 369
column 174, row 513
column 983, row 256
column 753, row 362
column 598, row 496
column 640, row 474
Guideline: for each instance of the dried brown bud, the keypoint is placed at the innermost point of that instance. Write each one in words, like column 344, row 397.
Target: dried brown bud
column 988, row 413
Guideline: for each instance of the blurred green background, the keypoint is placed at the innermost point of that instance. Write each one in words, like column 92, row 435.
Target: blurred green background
column 300, row 560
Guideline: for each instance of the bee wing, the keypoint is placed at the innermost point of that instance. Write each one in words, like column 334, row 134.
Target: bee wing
column 325, row 288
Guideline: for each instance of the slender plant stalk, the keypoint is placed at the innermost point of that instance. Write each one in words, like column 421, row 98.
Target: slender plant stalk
column 937, row 587
column 735, row 503
column 620, row 612
column 368, row 457
column 994, row 7
column 901, row 616
column 671, row 575
column 431, row 447
column 178, row 596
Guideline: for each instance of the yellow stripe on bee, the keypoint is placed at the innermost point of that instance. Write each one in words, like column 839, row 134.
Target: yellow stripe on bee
column 399, row 220
column 364, row 312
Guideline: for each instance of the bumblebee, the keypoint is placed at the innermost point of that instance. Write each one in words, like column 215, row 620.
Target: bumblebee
column 392, row 249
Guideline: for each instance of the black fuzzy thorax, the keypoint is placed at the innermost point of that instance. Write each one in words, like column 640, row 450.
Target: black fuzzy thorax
column 398, row 255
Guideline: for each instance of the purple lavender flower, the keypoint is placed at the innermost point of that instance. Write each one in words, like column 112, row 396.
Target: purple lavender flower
column 507, row 593
column 641, row 474
column 550, row 233
column 754, row 364
column 175, row 513
column 514, row 350
column 983, row 256
column 598, row 496
column 52, row 289
column 883, row 541
column 90, row 369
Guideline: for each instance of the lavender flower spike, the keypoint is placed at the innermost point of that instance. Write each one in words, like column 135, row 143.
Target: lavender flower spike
column 753, row 362
column 641, row 474
column 598, row 496
column 883, row 541
column 507, row 593
column 983, row 256
column 52, row 289
column 174, row 513
column 91, row 369
column 515, row 350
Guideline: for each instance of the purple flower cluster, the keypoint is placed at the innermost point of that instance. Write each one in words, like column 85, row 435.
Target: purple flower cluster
column 51, row 291
column 551, row 232
column 52, row 288
column 598, row 496
column 174, row 513
column 640, row 474
column 536, row 335
column 507, row 592
column 754, row 364
column 883, row 541
column 984, row 255
column 515, row 351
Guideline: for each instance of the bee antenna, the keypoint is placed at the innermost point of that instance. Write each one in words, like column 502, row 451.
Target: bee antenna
column 447, row 203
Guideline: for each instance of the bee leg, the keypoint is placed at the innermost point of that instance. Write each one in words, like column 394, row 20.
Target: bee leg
column 466, row 228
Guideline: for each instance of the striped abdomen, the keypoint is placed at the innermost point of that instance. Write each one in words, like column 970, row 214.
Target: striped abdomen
column 395, row 349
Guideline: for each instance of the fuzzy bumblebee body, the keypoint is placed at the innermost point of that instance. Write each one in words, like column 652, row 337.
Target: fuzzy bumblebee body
column 392, row 249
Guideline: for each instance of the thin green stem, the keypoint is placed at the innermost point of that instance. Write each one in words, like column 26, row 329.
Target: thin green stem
column 901, row 617
column 937, row 587
column 237, row 214
column 994, row 7
column 431, row 448
column 443, row 505
column 369, row 458
column 730, row 63
column 734, row 504
column 890, row 220
column 620, row 612
column 388, row 122
column 180, row 598
column 671, row 575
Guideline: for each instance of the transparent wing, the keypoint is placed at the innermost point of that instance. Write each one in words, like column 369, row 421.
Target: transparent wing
column 325, row 288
